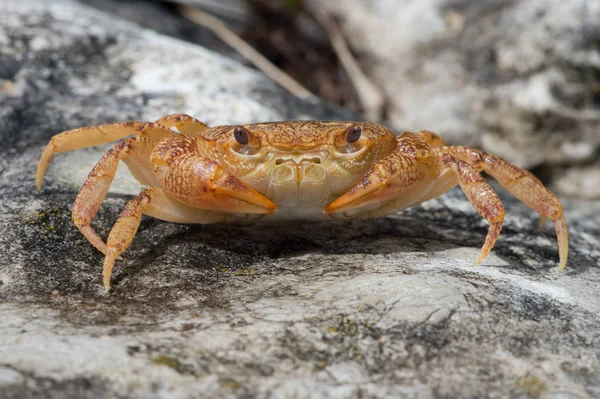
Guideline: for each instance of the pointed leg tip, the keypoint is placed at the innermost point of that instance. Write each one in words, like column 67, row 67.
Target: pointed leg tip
column 563, row 242
column 562, row 266
column 38, row 182
column 490, row 240
column 106, row 283
column 109, row 262
column 478, row 261
column 482, row 255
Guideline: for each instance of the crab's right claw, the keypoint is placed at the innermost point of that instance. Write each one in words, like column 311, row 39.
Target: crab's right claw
column 202, row 183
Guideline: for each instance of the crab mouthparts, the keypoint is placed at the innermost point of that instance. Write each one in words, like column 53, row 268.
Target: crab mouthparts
column 294, row 181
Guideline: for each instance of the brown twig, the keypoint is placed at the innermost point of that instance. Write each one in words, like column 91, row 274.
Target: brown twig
column 224, row 33
column 370, row 96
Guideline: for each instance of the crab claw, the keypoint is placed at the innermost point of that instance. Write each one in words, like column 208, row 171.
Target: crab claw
column 388, row 179
column 232, row 195
column 370, row 190
column 392, row 180
column 204, row 184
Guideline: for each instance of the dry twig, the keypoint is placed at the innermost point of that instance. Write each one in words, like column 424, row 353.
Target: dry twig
column 370, row 96
column 224, row 33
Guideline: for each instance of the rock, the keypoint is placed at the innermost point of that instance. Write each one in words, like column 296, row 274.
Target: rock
column 518, row 78
column 581, row 182
column 383, row 308
column 163, row 18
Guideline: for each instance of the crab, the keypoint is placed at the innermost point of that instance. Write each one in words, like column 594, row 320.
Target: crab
column 286, row 170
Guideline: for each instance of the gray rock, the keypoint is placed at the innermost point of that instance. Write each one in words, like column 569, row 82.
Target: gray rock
column 516, row 77
column 385, row 308
column 579, row 182
column 164, row 18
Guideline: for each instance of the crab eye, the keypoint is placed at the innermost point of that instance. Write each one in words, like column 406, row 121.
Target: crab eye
column 353, row 134
column 241, row 135
column 246, row 142
column 347, row 141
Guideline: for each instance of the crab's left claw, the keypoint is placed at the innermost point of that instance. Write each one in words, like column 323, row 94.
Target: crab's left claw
column 396, row 174
column 370, row 190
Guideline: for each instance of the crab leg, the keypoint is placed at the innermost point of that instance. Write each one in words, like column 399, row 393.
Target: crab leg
column 421, row 167
column 154, row 202
column 183, row 123
column 481, row 195
column 432, row 139
column 398, row 181
column 193, row 190
column 401, row 179
column 523, row 185
column 95, row 135
column 91, row 136
column 136, row 153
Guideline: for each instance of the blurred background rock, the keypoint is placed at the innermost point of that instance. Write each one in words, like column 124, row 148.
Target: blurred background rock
column 520, row 79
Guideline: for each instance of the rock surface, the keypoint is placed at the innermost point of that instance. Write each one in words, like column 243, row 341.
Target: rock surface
column 519, row 78
column 385, row 308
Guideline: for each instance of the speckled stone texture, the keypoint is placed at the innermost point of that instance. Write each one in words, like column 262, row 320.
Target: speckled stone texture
column 384, row 308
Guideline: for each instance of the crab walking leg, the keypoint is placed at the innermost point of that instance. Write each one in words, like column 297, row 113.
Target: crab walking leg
column 95, row 135
column 136, row 153
column 447, row 180
column 543, row 218
column 482, row 196
column 183, row 123
column 153, row 202
column 523, row 185
column 432, row 139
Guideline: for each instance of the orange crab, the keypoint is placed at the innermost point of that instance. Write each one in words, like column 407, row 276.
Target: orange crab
column 286, row 170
